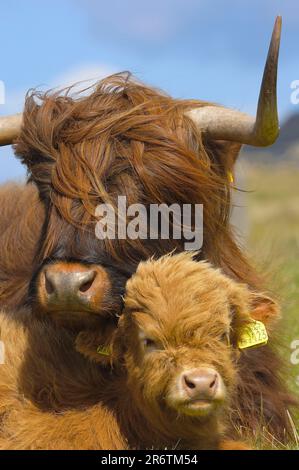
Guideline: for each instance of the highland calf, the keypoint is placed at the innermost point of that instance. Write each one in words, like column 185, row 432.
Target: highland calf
column 175, row 369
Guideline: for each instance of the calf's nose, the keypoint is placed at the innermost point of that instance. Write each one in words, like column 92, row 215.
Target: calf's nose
column 201, row 383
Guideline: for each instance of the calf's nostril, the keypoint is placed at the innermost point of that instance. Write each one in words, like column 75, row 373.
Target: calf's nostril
column 188, row 383
column 212, row 384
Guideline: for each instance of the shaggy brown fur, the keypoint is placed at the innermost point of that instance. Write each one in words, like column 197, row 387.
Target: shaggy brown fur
column 130, row 140
column 21, row 220
column 46, row 403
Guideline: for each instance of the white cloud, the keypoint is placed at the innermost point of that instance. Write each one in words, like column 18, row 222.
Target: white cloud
column 86, row 73
column 82, row 75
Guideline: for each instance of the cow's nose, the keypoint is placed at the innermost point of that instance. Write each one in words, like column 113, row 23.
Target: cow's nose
column 58, row 284
column 72, row 287
column 201, row 383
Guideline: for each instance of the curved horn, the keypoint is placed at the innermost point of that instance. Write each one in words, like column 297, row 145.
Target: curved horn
column 10, row 127
column 225, row 124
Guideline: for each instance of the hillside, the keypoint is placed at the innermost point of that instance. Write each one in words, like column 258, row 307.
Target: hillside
column 285, row 149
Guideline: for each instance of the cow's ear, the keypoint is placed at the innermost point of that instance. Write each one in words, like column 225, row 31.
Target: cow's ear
column 118, row 343
column 96, row 345
column 223, row 154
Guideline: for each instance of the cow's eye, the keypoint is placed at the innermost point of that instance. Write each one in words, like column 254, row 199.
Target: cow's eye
column 150, row 345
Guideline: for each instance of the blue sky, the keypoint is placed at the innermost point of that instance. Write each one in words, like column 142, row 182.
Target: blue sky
column 206, row 49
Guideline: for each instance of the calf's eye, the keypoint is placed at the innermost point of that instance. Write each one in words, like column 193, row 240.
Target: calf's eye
column 225, row 338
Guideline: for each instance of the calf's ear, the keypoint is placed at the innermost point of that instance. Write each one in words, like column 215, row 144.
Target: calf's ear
column 253, row 315
column 239, row 298
column 264, row 308
column 249, row 305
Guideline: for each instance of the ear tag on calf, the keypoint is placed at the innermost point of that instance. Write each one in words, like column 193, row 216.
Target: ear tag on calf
column 103, row 350
column 230, row 177
column 253, row 335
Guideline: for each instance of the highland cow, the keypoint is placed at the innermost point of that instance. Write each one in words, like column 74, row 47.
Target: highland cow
column 128, row 139
column 174, row 377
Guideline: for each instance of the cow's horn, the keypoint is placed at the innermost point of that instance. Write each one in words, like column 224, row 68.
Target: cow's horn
column 10, row 127
column 225, row 124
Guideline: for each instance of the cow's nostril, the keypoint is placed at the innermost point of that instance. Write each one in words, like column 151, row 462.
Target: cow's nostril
column 88, row 283
column 48, row 285
column 85, row 287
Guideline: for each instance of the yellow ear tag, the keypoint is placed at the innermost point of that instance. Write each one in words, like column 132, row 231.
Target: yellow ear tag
column 230, row 177
column 103, row 350
column 253, row 335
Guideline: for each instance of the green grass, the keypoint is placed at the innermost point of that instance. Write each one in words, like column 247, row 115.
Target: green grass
column 273, row 208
